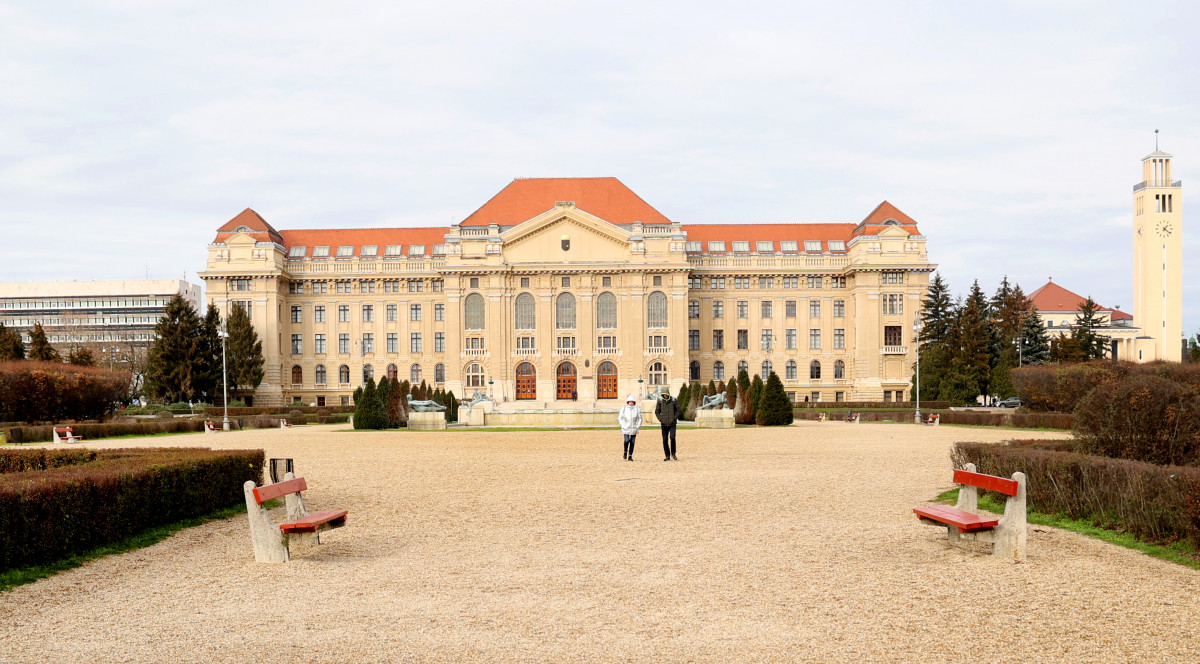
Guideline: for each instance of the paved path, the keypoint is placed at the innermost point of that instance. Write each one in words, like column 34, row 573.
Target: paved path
column 780, row 545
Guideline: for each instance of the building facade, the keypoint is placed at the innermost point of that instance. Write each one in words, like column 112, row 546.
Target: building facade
column 575, row 291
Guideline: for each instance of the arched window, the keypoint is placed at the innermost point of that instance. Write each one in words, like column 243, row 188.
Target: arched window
column 814, row 369
column 791, row 370
column 743, row 366
column 658, row 374
column 564, row 312
column 475, row 375
column 656, row 310
column 368, row 372
column 473, row 312
column 767, row 369
column 718, row 370
column 606, row 381
column 839, row 370
column 526, row 381
column 694, row 370
column 344, row 375
column 525, row 310
column 414, row 374
column 320, row 374
column 439, row 373
column 606, row 311
column 392, row 371
column 297, row 375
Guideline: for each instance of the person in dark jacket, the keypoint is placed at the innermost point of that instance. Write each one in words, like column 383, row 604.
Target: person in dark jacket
column 667, row 412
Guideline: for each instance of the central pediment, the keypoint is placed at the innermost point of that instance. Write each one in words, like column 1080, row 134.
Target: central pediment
column 565, row 233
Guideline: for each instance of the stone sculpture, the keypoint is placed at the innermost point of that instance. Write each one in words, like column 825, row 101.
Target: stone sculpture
column 477, row 398
column 715, row 402
column 425, row 406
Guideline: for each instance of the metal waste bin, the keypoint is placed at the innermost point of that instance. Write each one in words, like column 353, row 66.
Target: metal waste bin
column 278, row 468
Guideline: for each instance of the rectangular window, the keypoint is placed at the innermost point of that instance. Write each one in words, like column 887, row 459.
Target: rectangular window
column 836, row 245
column 320, row 287
column 391, row 313
column 839, row 396
column 319, row 344
column 789, row 337
column 812, row 246
column 741, row 247
column 789, row 309
column 439, row 312
column 439, row 251
column 837, row 282
column 814, row 282
column 343, row 313
column 474, row 282
column 695, row 283
column 319, row 313
column 392, row 251
column 766, row 282
column 891, row 278
column 369, row 251
column 342, row 286
column 766, row 340
column 244, row 305
column 297, row 252
column 743, row 309
column 718, row 308
column 344, row 344
column 368, row 313
column 816, row 396
column 414, row 312
column 439, row 342
column 814, row 308
column 345, row 252
column 657, row 280
column 297, row 316
column 741, row 282
column 765, row 246
column 320, row 252
column 814, row 340
column 416, row 286
column 393, row 342
column 892, row 336
column 893, row 304
column 839, row 338
column 416, row 251
column 601, row 342
column 565, row 343
column 606, row 282
column 788, row 246
column 297, row 344
column 368, row 343
column 718, row 340
column 525, row 282
column 791, row 282
column 474, row 343
column 767, row 308
column 295, row 287
column 839, row 308
column 414, row 342
column 716, row 283
column 693, row 339
column 241, row 285
column 657, row 341
column 694, row 309
column 743, row 339
column 527, row 343
column 716, row 247
column 438, row 285
column 566, row 282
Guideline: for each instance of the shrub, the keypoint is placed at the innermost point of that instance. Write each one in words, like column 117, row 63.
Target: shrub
column 165, row 415
column 154, row 408
column 237, row 403
column 322, row 416
column 48, row 514
column 1144, row 418
column 296, row 417
column 180, row 407
column 54, row 392
column 1152, row 502
column 218, row 411
column 41, row 434
column 774, row 407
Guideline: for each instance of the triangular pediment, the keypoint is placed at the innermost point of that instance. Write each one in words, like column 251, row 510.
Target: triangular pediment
column 241, row 238
column 563, row 218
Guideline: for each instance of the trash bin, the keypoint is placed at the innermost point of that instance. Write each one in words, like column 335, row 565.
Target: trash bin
column 278, row 468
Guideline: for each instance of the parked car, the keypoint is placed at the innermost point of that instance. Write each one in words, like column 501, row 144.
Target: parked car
column 1011, row 402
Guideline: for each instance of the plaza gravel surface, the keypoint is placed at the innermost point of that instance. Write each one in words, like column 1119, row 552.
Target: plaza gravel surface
column 789, row 544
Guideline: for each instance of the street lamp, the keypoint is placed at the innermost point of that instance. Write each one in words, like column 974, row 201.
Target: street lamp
column 917, row 330
column 224, row 379
column 640, row 395
column 491, row 392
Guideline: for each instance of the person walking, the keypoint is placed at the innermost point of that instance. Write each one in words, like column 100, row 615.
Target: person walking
column 667, row 412
column 630, row 419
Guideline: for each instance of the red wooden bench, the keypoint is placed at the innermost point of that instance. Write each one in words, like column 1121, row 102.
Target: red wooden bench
column 852, row 418
column 933, row 419
column 963, row 521
column 210, row 427
column 65, row 435
column 271, row 541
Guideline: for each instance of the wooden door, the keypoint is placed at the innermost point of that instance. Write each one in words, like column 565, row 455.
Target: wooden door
column 566, row 381
column 526, row 382
column 606, row 381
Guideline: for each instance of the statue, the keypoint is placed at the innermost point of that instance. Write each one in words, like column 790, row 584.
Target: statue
column 715, row 402
column 425, row 406
column 476, row 399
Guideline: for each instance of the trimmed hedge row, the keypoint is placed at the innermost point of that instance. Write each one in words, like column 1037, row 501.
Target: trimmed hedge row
column 275, row 410
column 45, row 433
column 20, row 461
column 1018, row 420
column 1160, row 503
column 47, row 515
column 1061, row 387
column 900, row 405
column 33, row 391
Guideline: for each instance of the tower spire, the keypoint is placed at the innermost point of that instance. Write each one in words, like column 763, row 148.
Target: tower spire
column 1156, row 140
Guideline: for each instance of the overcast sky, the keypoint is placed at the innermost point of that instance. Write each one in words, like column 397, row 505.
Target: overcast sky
column 1012, row 132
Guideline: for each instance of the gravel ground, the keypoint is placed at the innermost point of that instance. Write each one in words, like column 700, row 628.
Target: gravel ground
column 782, row 545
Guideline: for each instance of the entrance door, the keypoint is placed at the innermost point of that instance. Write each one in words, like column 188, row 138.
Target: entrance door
column 606, row 381
column 526, row 382
column 566, row 381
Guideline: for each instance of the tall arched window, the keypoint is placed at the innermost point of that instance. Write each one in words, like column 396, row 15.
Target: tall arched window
column 767, row 369
column 694, row 370
column 414, row 374
column 743, row 366
column 475, row 375
column 814, row 369
column 368, row 372
column 658, row 374
column 344, row 375
column 791, row 370
column 718, row 370
column 525, row 310
column 564, row 312
column 320, row 374
column 439, row 373
column 473, row 312
column 656, row 310
column 839, row 370
column 392, row 371
column 297, row 375
column 606, row 311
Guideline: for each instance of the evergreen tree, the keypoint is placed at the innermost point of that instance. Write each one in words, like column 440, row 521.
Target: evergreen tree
column 1092, row 345
column 695, row 398
column 243, row 353
column 712, row 388
column 755, row 394
column 939, row 317
column 370, row 414
column 731, row 393
column 970, row 365
column 452, row 407
column 172, row 362
column 358, row 391
column 423, row 392
column 743, row 380
column 742, row 414
column 207, row 378
column 1034, row 342
column 405, row 391
column 395, row 395
column 683, row 398
column 39, row 346
column 81, row 356
column 383, row 389
column 11, row 345
column 774, row 408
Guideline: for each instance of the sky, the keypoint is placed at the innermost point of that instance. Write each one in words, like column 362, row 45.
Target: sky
column 1011, row 131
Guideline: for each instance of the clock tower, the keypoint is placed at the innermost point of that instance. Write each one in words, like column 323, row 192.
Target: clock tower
column 1157, row 260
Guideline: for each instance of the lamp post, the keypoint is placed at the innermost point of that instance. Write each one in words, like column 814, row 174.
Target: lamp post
column 224, row 380
column 640, row 395
column 1020, row 348
column 491, row 391
column 917, row 330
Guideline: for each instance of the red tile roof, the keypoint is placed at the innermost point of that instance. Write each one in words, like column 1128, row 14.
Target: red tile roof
column 357, row 237
column 885, row 211
column 753, row 233
column 260, row 229
column 1055, row 298
column 526, row 198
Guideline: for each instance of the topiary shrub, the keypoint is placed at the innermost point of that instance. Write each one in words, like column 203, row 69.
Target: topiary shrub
column 180, row 407
column 154, row 408
column 296, row 417
column 165, row 415
column 237, row 403
column 1144, row 418
column 774, row 407
column 322, row 416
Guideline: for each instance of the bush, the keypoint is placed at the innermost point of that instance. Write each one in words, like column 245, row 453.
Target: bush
column 909, row 405
column 180, row 407
column 54, row 392
column 1153, row 502
column 774, row 407
column 296, row 417
column 322, row 416
column 1144, row 418
column 41, row 434
column 165, row 415
column 49, row 514
column 237, row 403
column 154, row 408
column 217, row 411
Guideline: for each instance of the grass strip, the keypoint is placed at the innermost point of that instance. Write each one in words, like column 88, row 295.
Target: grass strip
column 1180, row 552
column 20, row 576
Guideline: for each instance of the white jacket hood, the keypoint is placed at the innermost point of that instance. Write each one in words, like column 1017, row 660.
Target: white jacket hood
column 630, row 398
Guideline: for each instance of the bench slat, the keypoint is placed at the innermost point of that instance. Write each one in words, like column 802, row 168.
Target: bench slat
column 1002, row 485
column 309, row 523
column 964, row 521
column 264, row 493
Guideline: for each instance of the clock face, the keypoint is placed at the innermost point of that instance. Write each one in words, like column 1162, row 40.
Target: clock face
column 1139, row 230
column 1164, row 228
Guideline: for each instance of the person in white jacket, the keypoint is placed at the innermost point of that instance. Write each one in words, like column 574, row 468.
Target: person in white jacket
column 630, row 419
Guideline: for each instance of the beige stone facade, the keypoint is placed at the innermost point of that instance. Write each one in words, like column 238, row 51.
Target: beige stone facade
column 1158, row 261
column 572, row 293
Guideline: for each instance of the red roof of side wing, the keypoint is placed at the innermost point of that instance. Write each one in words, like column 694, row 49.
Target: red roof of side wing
column 1053, row 297
column 258, row 227
column 526, row 198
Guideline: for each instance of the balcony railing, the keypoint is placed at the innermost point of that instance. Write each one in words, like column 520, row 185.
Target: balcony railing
column 607, row 351
column 475, row 351
column 894, row 350
column 566, row 351
column 526, row 351
column 659, row 350
column 1158, row 183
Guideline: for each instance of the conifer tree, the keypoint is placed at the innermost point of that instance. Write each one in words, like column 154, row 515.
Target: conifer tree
column 369, row 414
column 683, row 397
column 358, row 391
column 1092, row 345
column 384, row 388
column 11, row 345
column 173, row 360
column 970, row 365
column 81, row 356
column 39, row 346
column 938, row 317
column 243, row 353
column 741, row 413
column 743, row 380
column 774, row 408
column 731, row 393
column 695, row 396
column 395, row 395
column 207, row 380
column 755, row 394
column 1034, row 341
column 712, row 388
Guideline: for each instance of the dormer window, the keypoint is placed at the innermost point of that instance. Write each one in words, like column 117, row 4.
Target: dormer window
column 741, row 247
column 439, row 250
column 297, row 252
column 812, row 246
column 717, row 247
column 691, row 247
column 345, row 251
column 320, row 252
column 416, row 250
column 765, row 247
column 392, row 251
column 242, row 229
column 891, row 222
column 837, row 245
column 789, row 247
column 369, row 251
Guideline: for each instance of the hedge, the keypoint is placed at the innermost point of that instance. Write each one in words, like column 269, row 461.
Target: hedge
column 901, row 405
column 52, row 391
column 1158, row 503
column 217, row 411
column 1008, row 419
column 47, row 515
column 44, row 433
column 1061, row 387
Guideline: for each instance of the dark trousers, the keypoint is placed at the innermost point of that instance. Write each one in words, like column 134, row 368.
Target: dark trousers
column 668, row 431
column 629, row 440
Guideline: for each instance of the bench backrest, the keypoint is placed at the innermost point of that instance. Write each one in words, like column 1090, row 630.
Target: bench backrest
column 990, row 482
column 63, row 430
column 264, row 493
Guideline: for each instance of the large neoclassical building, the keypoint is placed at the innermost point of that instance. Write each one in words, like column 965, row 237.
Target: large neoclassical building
column 574, row 291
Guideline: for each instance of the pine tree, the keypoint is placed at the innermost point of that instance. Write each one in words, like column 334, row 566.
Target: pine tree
column 81, row 356
column 11, row 345
column 731, row 393
column 358, row 392
column 384, row 390
column 370, row 414
column 695, row 398
column 970, row 365
column 938, row 318
column 207, row 379
column 39, row 346
column 1092, row 345
column 712, row 388
column 743, row 380
column 774, row 408
column 683, row 398
column 405, row 392
column 172, row 362
column 243, row 353
column 741, row 413
column 755, row 394
column 1034, row 341
column 451, row 407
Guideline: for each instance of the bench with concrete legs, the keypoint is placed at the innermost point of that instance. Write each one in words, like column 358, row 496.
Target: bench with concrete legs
column 1008, row 534
column 210, row 427
column 933, row 419
column 852, row 418
column 65, row 435
column 271, row 541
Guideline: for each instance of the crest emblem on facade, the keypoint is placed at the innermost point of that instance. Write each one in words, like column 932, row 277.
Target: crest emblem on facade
column 566, row 242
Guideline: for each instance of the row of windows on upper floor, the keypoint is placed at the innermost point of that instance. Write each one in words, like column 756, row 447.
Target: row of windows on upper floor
column 765, row 246
column 438, row 250
column 791, row 370
column 72, row 303
column 346, row 251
